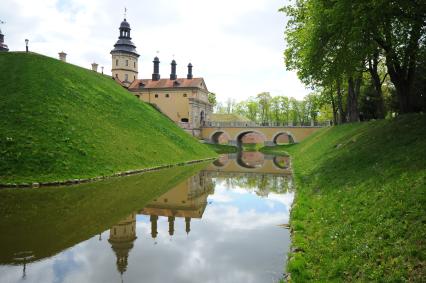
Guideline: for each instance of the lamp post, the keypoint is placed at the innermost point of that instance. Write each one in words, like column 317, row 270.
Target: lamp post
column 26, row 45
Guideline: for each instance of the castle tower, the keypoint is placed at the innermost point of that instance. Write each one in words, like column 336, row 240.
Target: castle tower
column 121, row 237
column 3, row 47
column 124, row 57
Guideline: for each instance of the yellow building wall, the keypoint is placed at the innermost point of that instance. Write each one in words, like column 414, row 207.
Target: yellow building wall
column 121, row 69
column 177, row 104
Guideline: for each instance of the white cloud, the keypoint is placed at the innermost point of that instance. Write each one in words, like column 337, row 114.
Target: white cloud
column 235, row 45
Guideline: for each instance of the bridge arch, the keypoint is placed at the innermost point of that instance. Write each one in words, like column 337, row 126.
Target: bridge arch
column 250, row 160
column 220, row 137
column 289, row 136
column 239, row 137
column 222, row 161
column 281, row 162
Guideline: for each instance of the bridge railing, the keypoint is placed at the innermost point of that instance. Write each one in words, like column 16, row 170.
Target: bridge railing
column 240, row 124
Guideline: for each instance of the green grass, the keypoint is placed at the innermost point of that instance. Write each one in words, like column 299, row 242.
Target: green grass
column 60, row 121
column 360, row 208
column 49, row 220
column 222, row 148
column 276, row 150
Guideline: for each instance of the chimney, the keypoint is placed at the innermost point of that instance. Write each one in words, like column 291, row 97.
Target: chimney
column 173, row 74
column 156, row 74
column 189, row 76
column 94, row 67
column 63, row 56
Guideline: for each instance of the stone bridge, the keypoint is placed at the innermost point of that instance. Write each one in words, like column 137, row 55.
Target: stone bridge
column 237, row 133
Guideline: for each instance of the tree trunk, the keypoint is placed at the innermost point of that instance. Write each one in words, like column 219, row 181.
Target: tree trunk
column 333, row 106
column 353, row 92
column 340, row 104
column 402, row 71
column 377, row 83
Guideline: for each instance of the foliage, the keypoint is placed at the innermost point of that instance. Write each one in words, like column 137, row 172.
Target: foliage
column 360, row 208
column 265, row 109
column 212, row 98
column 60, row 121
column 332, row 43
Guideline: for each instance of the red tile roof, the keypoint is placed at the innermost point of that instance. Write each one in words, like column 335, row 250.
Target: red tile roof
column 167, row 83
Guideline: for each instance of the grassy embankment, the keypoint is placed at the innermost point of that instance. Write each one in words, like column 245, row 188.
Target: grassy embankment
column 360, row 208
column 49, row 220
column 60, row 121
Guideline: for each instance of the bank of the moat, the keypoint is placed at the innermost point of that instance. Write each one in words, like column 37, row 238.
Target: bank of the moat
column 222, row 222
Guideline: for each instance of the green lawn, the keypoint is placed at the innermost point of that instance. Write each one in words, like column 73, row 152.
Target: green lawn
column 60, row 121
column 360, row 207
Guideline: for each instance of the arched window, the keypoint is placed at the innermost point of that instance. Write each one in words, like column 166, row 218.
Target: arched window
column 116, row 62
column 127, row 62
column 202, row 118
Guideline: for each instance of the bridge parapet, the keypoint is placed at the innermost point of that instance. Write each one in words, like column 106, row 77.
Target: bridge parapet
column 250, row 124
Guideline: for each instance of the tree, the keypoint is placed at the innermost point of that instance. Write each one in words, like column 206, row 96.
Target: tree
column 330, row 42
column 264, row 100
column 212, row 98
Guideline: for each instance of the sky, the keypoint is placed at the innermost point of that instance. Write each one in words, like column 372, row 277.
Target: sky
column 236, row 46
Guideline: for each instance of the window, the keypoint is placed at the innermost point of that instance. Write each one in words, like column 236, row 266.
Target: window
column 127, row 62
column 185, row 120
column 116, row 75
column 134, row 77
column 156, row 96
column 167, row 95
column 134, row 64
column 185, row 95
column 126, row 77
column 116, row 62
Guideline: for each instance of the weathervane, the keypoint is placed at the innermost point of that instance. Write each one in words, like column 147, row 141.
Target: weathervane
column 125, row 12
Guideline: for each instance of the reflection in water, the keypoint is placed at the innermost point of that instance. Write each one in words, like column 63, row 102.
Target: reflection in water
column 220, row 225
column 121, row 237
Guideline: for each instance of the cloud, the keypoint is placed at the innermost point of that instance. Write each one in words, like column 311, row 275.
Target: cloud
column 237, row 46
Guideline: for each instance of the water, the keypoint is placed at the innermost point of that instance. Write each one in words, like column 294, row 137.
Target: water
column 217, row 223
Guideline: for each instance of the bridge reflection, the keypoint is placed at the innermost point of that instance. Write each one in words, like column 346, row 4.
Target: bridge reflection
column 251, row 162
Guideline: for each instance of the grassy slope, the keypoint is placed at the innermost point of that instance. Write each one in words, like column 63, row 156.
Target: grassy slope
column 360, row 210
column 49, row 220
column 60, row 121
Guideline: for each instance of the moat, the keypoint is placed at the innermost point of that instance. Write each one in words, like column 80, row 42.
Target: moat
column 220, row 222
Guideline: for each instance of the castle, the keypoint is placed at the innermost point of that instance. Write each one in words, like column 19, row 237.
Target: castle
column 183, row 100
